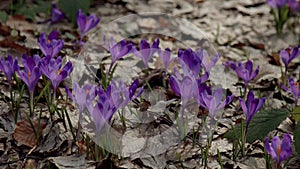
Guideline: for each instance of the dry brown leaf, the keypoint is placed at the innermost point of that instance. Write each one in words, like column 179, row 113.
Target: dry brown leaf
column 275, row 58
column 24, row 133
column 81, row 146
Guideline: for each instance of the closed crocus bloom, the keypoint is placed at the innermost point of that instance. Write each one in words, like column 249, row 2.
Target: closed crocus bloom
column 51, row 45
column 86, row 23
column 279, row 150
column 289, row 54
column 146, row 51
column 56, row 14
column 53, row 70
column 9, row 67
column 165, row 56
column 251, row 106
column 104, row 109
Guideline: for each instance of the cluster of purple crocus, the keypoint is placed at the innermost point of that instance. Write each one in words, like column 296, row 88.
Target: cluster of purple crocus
column 35, row 66
column 102, row 104
column 191, row 85
column 281, row 150
column 84, row 23
column 287, row 56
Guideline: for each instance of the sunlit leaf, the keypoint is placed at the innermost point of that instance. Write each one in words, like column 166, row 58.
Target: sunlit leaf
column 296, row 113
column 297, row 138
column 262, row 123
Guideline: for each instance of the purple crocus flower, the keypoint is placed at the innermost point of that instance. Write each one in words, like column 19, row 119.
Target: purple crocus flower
column 146, row 51
column 289, row 54
column 122, row 95
column 279, row 150
column 207, row 62
column 9, row 67
column 294, row 89
column 86, row 23
column 53, row 70
column 165, row 56
column 52, row 45
column 104, row 109
column 56, row 14
column 82, row 94
column 245, row 72
column 101, row 113
column 184, row 86
column 294, row 5
column 213, row 101
column 190, row 58
column 31, row 73
column 251, row 107
column 277, row 3
column 117, row 50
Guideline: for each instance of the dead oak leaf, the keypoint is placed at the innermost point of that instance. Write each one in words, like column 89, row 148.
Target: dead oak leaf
column 24, row 133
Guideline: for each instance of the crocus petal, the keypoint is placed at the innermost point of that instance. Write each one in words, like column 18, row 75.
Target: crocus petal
column 286, row 147
column 260, row 104
column 81, row 20
column 56, row 14
column 133, row 88
column 250, row 98
column 284, row 57
column 53, row 35
column 244, row 107
column 270, row 149
column 255, row 73
column 276, row 146
column 186, row 89
column 174, row 84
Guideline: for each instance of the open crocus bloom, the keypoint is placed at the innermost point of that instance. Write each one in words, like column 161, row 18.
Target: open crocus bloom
column 86, row 23
column 244, row 71
column 31, row 73
column 213, row 102
column 279, row 150
column 146, row 51
column 51, row 45
column 289, row 54
column 52, row 68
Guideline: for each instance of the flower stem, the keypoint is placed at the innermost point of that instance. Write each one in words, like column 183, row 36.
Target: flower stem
column 244, row 140
column 31, row 102
column 245, row 90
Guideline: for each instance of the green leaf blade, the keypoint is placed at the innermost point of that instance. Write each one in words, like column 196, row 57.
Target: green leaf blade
column 262, row 123
column 70, row 8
